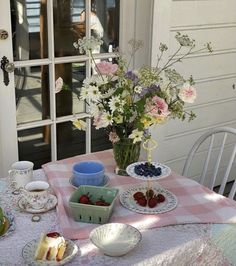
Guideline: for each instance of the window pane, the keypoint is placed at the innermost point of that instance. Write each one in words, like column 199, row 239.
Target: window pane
column 100, row 140
column 105, row 16
column 32, row 94
column 29, row 29
column 67, row 101
column 70, row 140
column 67, row 26
column 34, row 146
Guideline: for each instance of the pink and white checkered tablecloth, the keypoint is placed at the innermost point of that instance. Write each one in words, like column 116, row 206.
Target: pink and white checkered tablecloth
column 196, row 203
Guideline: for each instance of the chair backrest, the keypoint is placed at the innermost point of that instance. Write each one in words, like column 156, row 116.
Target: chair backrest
column 224, row 132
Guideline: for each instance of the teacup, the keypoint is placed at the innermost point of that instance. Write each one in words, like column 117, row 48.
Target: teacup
column 21, row 173
column 36, row 194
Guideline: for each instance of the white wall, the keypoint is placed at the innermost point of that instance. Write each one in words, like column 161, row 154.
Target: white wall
column 137, row 24
column 215, row 74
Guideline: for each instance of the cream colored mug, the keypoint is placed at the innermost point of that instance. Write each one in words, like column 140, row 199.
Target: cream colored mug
column 20, row 174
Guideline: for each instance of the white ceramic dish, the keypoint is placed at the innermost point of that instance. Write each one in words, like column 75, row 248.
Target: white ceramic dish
column 25, row 206
column 9, row 224
column 105, row 182
column 29, row 249
column 115, row 239
column 165, row 171
column 127, row 200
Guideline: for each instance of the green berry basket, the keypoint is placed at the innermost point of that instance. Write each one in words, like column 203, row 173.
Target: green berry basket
column 87, row 213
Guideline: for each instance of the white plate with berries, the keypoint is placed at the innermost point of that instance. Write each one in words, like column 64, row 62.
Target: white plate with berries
column 141, row 199
column 148, row 171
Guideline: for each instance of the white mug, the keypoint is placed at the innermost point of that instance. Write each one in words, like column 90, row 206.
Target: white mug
column 36, row 194
column 20, row 174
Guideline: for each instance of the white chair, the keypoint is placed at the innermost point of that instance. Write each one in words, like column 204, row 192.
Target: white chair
column 215, row 150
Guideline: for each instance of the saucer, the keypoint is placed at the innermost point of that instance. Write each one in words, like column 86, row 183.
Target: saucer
column 9, row 225
column 28, row 252
column 103, row 184
column 25, row 206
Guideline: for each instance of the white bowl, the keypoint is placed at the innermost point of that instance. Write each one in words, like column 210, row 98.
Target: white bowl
column 115, row 239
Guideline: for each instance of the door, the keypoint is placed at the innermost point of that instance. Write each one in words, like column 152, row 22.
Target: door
column 215, row 74
column 35, row 122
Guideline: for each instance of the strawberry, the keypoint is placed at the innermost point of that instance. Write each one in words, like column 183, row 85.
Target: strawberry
column 138, row 195
column 152, row 202
column 142, row 202
column 101, row 202
column 84, row 199
column 149, row 193
column 53, row 234
column 160, row 198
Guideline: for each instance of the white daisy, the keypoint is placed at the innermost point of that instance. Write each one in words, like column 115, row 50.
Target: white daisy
column 95, row 80
column 108, row 93
column 107, row 119
column 83, row 94
column 116, row 104
column 94, row 93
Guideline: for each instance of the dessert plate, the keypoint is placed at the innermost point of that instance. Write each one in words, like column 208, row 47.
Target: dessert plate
column 29, row 249
column 165, row 171
column 106, row 179
column 25, row 206
column 9, row 224
column 127, row 200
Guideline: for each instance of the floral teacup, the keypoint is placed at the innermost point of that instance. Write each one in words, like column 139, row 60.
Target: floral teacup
column 20, row 174
column 36, row 194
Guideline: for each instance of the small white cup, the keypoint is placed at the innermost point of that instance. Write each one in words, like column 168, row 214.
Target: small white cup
column 21, row 173
column 36, row 193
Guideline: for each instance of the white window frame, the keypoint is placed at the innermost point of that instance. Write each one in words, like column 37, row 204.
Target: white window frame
column 9, row 149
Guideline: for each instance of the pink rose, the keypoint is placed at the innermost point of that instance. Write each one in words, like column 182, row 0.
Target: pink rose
column 187, row 93
column 106, row 68
column 157, row 106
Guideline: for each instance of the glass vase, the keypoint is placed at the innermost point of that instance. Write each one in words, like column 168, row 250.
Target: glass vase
column 125, row 152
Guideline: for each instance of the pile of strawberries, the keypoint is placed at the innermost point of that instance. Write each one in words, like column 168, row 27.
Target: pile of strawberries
column 148, row 199
column 86, row 199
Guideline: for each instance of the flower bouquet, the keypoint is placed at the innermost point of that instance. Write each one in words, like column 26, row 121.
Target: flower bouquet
column 128, row 102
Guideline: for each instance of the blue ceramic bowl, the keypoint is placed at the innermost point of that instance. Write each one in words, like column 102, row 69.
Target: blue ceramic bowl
column 88, row 173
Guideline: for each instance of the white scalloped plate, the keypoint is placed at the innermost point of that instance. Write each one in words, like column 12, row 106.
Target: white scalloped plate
column 165, row 171
column 127, row 200
column 29, row 249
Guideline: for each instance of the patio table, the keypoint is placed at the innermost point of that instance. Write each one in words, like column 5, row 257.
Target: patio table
column 181, row 244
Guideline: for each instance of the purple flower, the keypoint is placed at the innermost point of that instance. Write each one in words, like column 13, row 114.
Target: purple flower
column 130, row 75
column 152, row 89
column 146, row 133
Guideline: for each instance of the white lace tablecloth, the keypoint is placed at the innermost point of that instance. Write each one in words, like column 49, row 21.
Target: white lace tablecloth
column 189, row 244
